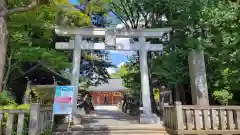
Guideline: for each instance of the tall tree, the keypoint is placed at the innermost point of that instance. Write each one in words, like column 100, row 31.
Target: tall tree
column 33, row 30
column 7, row 8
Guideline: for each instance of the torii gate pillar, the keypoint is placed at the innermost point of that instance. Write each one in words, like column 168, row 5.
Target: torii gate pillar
column 147, row 117
column 76, row 69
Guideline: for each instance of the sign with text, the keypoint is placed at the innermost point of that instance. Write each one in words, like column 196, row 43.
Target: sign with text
column 63, row 100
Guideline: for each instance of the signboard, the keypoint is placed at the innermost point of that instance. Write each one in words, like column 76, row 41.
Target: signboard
column 63, row 100
column 108, row 94
column 117, row 94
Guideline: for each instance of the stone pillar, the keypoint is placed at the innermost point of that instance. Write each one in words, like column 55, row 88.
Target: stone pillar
column 198, row 80
column 27, row 96
column 76, row 68
column 145, row 89
column 34, row 119
column 147, row 116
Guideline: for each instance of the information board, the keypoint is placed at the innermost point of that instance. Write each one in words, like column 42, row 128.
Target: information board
column 63, row 100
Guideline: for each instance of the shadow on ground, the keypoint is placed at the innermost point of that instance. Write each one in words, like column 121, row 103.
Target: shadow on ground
column 103, row 121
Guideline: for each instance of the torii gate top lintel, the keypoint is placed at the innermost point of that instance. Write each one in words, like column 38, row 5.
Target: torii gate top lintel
column 101, row 32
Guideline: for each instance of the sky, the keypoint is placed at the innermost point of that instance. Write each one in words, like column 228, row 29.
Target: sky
column 118, row 58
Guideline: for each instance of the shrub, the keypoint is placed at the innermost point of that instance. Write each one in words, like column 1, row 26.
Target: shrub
column 48, row 132
column 222, row 96
column 6, row 98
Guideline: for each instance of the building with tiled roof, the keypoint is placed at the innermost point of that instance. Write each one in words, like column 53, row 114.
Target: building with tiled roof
column 107, row 93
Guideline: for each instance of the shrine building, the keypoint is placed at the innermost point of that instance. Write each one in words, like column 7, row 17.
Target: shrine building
column 108, row 93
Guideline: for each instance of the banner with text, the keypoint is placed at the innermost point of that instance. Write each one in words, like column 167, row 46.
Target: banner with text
column 63, row 100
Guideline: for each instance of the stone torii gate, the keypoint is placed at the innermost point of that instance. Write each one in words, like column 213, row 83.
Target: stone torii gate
column 196, row 62
column 111, row 43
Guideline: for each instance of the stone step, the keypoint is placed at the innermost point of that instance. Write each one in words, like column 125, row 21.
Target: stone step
column 152, row 127
column 138, row 129
column 114, row 132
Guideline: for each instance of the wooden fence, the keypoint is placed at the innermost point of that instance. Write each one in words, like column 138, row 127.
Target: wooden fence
column 37, row 119
column 193, row 119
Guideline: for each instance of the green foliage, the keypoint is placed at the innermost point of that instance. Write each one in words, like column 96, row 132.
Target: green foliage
column 31, row 39
column 48, row 132
column 73, row 18
column 211, row 25
column 222, row 96
column 69, row 16
column 6, row 98
column 130, row 75
column 156, row 94
column 119, row 72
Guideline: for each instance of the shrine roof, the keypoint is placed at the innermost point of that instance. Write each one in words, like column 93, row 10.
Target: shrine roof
column 112, row 85
column 41, row 70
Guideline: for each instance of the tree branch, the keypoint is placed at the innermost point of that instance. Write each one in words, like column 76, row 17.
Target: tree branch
column 126, row 12
column 138, row 18
column 131, row 13
column 121, row 19
column 31, row 6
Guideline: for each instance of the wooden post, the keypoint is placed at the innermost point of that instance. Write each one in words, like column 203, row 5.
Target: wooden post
column 112, row 100
column 34, row 119
column 9, row 124
column 98, row 100
column 164, row 112
column 179, row 115
column 238, row 119
column 170, row 98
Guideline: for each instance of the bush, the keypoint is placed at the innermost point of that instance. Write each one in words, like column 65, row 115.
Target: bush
column 26, row 118
column 6, row 98
column 222, row 96
column 48, row 132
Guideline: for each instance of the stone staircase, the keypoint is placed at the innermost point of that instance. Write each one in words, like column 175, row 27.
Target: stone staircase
column 111, row 122
column 113, row 129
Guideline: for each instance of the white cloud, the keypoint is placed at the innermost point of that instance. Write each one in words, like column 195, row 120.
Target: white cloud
column 111, row 70
column 121, row 64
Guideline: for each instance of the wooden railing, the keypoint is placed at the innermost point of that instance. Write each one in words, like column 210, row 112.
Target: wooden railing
column 169, row 117
column 193, row 119
column 9, row 117
column 45, row 118
column 38, row 117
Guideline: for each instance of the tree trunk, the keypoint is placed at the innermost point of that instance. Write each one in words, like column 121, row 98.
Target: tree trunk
column 8, row 70
column 182, row 92
column 3, row 42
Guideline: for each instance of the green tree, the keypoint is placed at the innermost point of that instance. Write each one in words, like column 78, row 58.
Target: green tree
column 30, row 40
column 11, row 8
column 209, row 25
column 131, row 76
column 7, row 8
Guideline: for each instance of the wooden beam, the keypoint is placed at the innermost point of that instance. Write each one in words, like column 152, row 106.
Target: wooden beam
column 101, row 46
column 101, row 32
